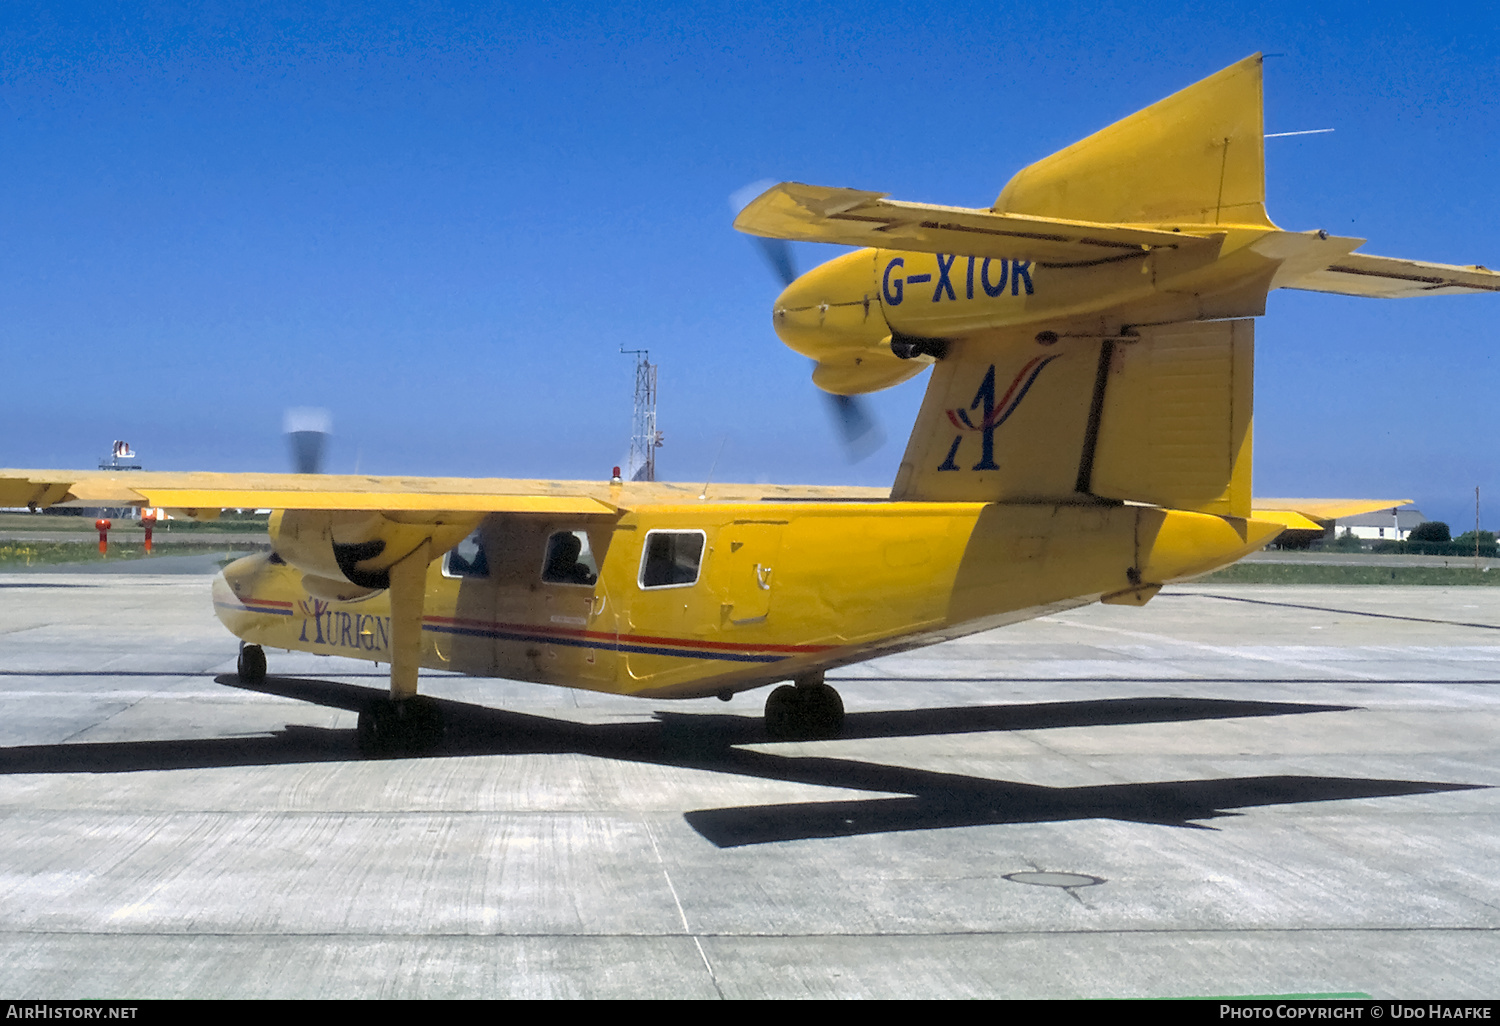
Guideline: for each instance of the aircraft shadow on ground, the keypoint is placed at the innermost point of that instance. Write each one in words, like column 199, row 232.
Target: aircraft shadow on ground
column 924, row 799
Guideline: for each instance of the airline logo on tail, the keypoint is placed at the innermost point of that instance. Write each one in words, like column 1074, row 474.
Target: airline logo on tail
column 995, row 413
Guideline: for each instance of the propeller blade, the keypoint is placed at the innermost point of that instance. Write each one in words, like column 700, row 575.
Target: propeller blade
column 779, row 255
column 307, row 430
column 776, row 251
column 858, row 429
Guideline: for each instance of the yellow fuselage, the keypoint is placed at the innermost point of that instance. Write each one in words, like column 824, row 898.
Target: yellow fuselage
column 784, row 589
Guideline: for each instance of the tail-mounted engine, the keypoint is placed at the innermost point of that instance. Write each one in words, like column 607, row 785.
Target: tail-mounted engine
column 833, row 314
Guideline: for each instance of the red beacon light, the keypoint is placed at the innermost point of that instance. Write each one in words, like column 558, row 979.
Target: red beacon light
column 103, row 527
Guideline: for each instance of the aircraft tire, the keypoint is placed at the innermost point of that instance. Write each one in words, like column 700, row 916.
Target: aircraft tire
column 826, row 707
column 389, row 729
column 822, row 711
column 782, row 708
column 809, row 713
column 423, row 724
column 368, row 736
column 251, row 665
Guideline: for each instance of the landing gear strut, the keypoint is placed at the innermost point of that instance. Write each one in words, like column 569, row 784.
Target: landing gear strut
column 405, row 723
column 809, row 710
column 251, row 664
column 409, row 726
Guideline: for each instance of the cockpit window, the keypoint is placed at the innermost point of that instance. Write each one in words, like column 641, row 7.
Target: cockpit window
column 467, row 559
column 569, row 560
column 671, row 558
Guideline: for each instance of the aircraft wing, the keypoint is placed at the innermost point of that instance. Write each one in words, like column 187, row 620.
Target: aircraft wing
column 204, row 494
column 853, row 217
column 1319, row 509
column 1361, row 274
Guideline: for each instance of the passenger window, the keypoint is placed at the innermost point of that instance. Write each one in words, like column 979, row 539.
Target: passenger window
column 467, row 559
column 671, row 559
column 569, row 560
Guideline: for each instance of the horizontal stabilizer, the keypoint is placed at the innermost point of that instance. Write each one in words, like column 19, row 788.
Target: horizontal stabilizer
column 1359, row 274
column 853, row 217
column 1287, row 518
column 1322, row 509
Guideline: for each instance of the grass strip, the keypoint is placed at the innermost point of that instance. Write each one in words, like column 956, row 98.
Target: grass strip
column 1291, row 573
column 17, row 555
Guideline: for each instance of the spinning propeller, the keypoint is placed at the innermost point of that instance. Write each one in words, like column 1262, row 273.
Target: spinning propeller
column 857, row 428
column 307, row 430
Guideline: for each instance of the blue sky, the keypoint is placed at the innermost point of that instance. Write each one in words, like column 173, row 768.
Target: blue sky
column 442, row 221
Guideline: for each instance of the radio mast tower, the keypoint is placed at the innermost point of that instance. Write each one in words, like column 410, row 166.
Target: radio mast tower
column 644, row 438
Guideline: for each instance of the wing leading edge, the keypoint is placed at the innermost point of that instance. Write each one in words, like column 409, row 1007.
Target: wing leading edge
column 204, row 494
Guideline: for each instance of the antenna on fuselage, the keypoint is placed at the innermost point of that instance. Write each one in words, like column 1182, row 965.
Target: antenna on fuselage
column 644, row 438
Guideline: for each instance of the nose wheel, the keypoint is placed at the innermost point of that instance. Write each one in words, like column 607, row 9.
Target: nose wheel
column 806, row 711
column 251, row 665
column 410, row 726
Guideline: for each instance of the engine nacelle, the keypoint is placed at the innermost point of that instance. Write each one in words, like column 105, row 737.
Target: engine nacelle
column 833, row 314
column 335, row 546
column 833, row 310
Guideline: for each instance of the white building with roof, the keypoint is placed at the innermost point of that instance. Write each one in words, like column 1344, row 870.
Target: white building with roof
column 1383, row 525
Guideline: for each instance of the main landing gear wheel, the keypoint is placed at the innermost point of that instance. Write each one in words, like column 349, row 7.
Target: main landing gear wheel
column 389, row 728
column 251, row 664
column 804, row 712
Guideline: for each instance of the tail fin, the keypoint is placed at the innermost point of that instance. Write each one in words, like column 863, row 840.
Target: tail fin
column 1160, row 417
column 1197, row 157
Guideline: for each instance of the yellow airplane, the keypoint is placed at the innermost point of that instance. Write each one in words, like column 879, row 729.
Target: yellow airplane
column 1085, row 437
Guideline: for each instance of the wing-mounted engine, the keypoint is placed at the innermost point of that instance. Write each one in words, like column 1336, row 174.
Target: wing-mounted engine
column 346, row 555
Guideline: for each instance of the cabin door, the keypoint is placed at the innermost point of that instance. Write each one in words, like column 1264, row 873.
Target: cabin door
column 745, row 560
